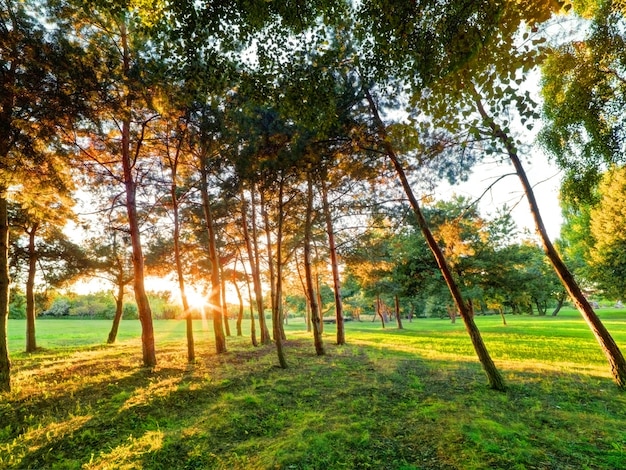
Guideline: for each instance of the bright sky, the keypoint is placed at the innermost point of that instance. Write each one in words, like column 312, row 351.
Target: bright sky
column 545, row 179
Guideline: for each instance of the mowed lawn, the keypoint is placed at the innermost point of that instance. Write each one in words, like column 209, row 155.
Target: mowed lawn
column 390, row 399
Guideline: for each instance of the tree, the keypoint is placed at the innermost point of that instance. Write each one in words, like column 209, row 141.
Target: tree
column 41, row 77
column 608, row 231
column 584, row 91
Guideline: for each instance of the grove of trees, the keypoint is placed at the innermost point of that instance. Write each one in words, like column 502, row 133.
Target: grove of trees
column 292, row 151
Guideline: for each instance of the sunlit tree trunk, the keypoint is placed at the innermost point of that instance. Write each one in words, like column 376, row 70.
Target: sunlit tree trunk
column 341, row 336
column 31, row 340
column 215, row 304
column 494, row 377
column 608, row 345
column 5, row 362
column 143, row 306
column 270, row 258
column 308, row 271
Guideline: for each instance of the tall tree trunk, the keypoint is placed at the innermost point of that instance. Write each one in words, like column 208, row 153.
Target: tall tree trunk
column 128, row 161
column 265, row 334
column 119, row 310
column 494, row 377
column 308, row 271
column 341, row 335
column 253, row 260
column 277, row 317
column 239, row 298
column 225, row 313
column 215, row 304
column 5, row 282
column 608, row 345
column 250, row 303
column 191, row 351
column 270, row 259
column 31, row 340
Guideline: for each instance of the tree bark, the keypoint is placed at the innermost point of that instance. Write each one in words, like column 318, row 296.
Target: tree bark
column 494, row 377
column 5, row 282
column 341, row 335
column 277, row 317
column 608, row 345
column 308, row 272
column 191, row 351
column 253, row 258
column 119, row 310
column 398, row 317
column 31, row 340
column 143, row 306
column 215, row 304
column 225, row 314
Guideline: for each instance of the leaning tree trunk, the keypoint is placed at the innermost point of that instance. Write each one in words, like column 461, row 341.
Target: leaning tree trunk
column 215, row 301
column 31, row 340
column 341, row 335
column 607, row 343
column 5, row 362
column 308, row 272
column 494, row 377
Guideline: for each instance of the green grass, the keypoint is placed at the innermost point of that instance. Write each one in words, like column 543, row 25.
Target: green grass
column 390, row 399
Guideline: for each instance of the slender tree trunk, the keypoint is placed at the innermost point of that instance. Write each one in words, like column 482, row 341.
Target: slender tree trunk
column 215, row 303
column 191, row 351
column 239, row 299
column 119, row 310
column 225, row 313
column 265, row 334
column 608, row 345
column 494, row 377
column 277, row 320
column 308, row 272
column 270, row 259
column 143, row 306
column 398, row 317
column 253, row 257
column 379, row 310
column 250, row 303
column 5, row 282
column 560, row 301
column 502, row 316
column 341, row 335
column 31, row 340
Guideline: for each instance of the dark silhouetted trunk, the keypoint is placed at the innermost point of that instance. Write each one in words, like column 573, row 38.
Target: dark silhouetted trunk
column 119, row 310
column 31, row 340
column 398, row 317
column 215, row 301
column 256, row 272
column 277, row 314
column 308, row 271
column 5, row 362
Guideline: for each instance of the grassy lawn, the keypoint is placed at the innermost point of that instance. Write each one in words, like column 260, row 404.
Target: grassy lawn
column 390, row 399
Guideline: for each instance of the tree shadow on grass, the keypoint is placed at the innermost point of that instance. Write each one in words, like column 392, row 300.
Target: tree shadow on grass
column 356, row 407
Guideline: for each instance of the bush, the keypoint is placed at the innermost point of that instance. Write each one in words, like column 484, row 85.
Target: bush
column 59, row 308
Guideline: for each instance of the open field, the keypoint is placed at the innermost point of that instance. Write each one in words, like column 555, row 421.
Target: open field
column 390, row 399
